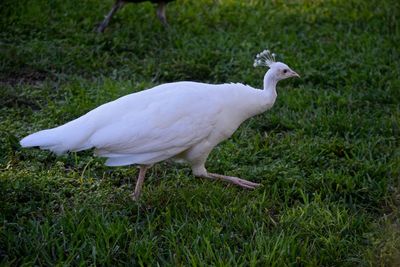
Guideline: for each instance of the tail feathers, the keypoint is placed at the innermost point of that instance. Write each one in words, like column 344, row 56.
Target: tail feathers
column 46, row 139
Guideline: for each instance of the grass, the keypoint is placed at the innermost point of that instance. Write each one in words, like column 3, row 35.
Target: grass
column 327, row 153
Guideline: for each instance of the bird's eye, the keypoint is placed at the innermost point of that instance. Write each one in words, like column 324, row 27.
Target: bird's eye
column 285, row 71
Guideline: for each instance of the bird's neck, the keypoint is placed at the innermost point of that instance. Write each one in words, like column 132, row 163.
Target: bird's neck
column 263, row 99
column 270, row 86
column 269, row 82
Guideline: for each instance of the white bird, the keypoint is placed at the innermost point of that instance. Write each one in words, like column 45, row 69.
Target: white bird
column 180, row 120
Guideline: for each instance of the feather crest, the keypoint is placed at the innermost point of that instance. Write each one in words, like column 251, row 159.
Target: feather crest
column 265, row 58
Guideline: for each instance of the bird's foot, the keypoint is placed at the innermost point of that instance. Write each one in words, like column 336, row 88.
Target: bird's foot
column 234, row 180
column 135, row 197
column 101, row 27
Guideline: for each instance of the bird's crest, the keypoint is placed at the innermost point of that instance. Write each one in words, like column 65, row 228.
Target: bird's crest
column 265, row 58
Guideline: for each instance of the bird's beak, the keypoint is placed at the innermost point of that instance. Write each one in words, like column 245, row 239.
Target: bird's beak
column 294, row 74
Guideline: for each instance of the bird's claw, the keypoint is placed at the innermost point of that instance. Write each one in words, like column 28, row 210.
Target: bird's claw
column 234, row 180
column 246, row 184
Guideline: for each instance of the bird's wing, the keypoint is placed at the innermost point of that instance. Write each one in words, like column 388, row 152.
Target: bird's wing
column 166, row 127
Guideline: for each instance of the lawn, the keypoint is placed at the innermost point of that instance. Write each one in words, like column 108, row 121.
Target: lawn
column 327, row 153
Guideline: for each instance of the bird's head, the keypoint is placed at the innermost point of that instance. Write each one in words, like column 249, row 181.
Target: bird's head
column 277, row 70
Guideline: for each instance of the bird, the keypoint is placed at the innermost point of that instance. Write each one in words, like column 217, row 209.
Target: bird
column 161, row 5
column 181, row 120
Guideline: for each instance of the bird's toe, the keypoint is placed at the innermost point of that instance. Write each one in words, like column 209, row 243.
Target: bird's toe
column 248, row 185
column 134, row 197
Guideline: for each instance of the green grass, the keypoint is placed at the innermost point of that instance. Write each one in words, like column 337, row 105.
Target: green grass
column 327, row 153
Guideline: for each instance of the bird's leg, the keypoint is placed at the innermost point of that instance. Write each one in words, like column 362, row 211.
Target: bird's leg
column 139, row 182
column 118, row 4
column 161, row 13
column 231, row 179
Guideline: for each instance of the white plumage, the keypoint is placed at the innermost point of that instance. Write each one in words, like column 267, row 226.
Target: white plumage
column 181, row 120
